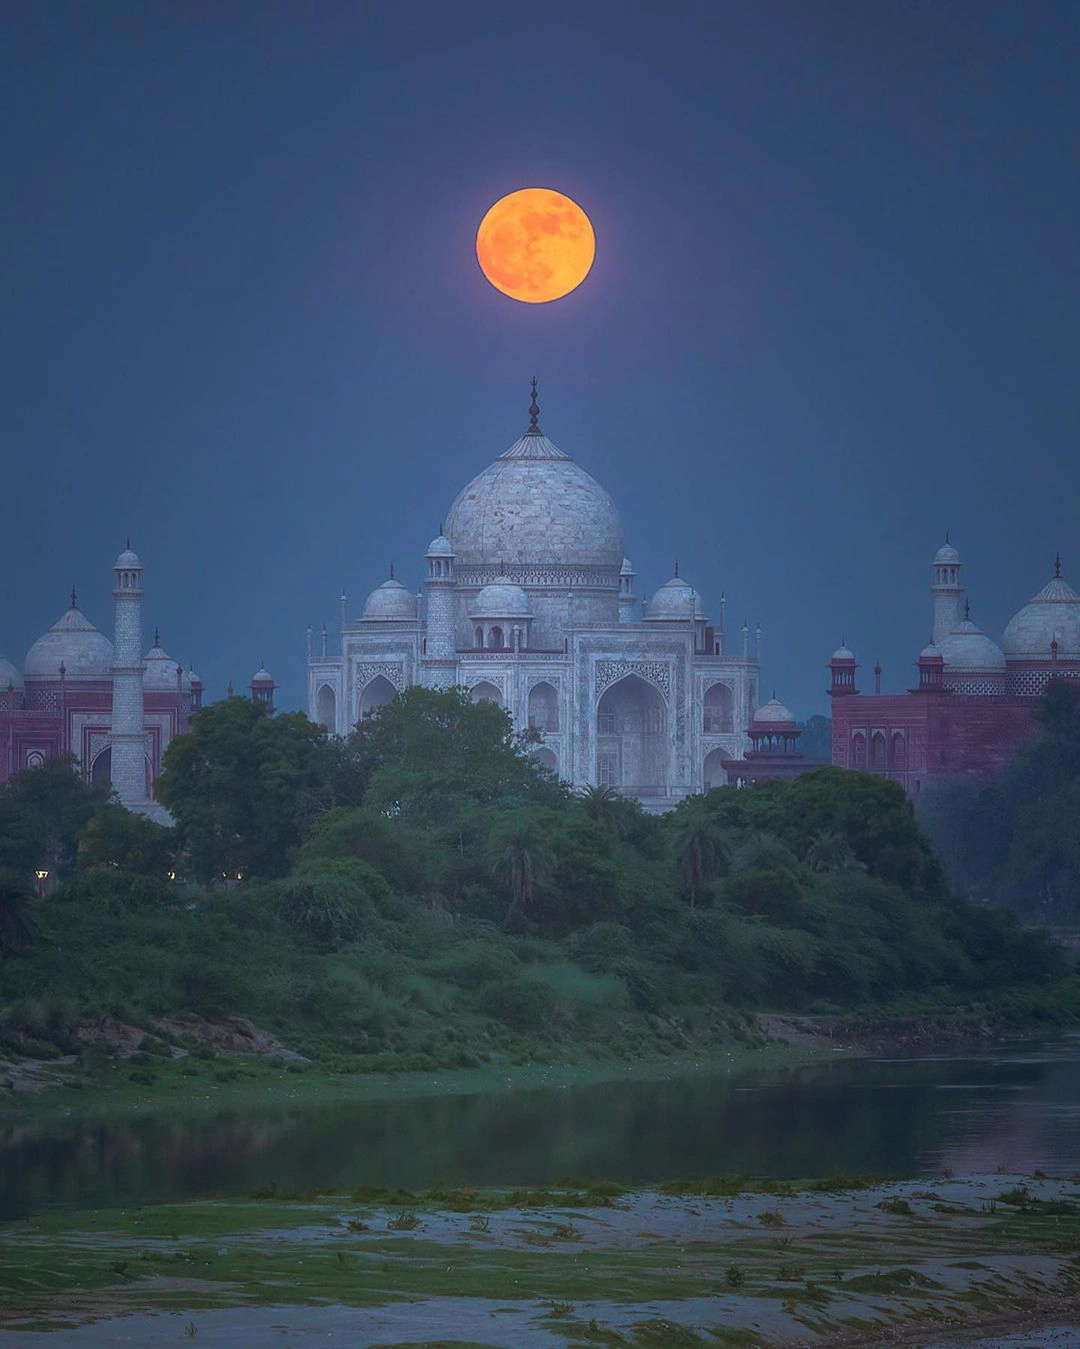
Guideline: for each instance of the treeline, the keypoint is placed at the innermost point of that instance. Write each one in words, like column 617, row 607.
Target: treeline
column 1016, row 841
column 423, row 892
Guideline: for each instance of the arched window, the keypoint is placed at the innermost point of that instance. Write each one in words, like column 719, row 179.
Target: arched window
column 858, row 750
column 326, row 708
column 101, row 768
column 631, row 721
column 485, row 693
column 35, row 758
column 546, row 758
column 719, row 710
column 479, row 636
column 898, row 751
column 713, row 774
column 543, row 708
column 377, row 693
column 495, row 638
column 877, row 751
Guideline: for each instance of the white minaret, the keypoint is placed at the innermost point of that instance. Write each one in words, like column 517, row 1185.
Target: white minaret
column 627, row 598
column 947, row 592
column 440, row 628
column 128, row 737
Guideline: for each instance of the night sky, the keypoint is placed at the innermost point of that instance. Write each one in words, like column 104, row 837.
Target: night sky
column 833, row 311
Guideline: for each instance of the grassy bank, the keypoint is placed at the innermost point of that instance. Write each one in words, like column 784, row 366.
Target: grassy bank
column 839, row 1260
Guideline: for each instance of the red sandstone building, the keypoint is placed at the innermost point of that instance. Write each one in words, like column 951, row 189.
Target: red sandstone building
column 975, row 701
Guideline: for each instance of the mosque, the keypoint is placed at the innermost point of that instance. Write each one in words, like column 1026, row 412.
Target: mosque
column 975, row 701
column 529, row 601
column 106, row 703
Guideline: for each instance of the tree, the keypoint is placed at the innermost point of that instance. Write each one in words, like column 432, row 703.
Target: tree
column 520, row 859
column 432, row 755
column 700, row 849
column 233, row 782
column 42, row 811
column 120, row 838
column 816, row 739
column 17, row 921
column 829, row 850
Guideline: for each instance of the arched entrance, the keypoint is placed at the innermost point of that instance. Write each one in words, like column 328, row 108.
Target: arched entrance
column 376, row 694
column 101, row 768
column 543, row 708
column 326, row 708
column 485, row 693
column 631, row 738
column 719, row 710
column 714, row 774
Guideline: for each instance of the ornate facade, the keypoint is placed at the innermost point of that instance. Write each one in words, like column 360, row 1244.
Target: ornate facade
column 975, row 701
column 106, row 703
column 528, row 600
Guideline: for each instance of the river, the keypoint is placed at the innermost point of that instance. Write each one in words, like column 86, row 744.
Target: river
column 1016, row 1107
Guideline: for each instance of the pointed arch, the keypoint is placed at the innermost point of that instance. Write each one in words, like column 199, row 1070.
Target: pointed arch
column 485, row 692
column 631, row 737
column 713, row 771
column 377, row 693
column 718, row 710
column 543, row 707
column 326, row 708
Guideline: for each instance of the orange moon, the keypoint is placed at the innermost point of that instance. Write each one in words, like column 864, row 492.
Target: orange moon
column 535, row 245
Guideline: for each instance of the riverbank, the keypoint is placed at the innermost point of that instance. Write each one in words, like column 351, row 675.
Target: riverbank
column 726, row 1261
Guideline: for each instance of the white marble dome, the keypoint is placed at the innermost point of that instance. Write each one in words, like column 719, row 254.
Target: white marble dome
column 10, row 675
column 773, row 713
column 967, row 647
column 73, row 642
column 676, row 599
column 500, row 599
column 946, row 555
column 159, row 670
column 127, row 561
column 1053, row 613
column 534, row 506
column 930, row 652
column 390, row 602
column 627, row 568
column 842, row 652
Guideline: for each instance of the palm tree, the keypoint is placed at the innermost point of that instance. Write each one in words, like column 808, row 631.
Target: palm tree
column 764, row 852
column 520, row 860
column 829, row 850
column 701, row 852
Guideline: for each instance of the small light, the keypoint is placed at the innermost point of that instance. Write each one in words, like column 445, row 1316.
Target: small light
column 171, row 875
column 42, row 875
column 239, row 875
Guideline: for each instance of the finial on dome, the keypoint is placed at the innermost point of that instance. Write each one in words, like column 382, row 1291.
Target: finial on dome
column 967, row 610
column 441, row 523
column 534, row 413
column 676, row 566
column 1057, row 564
column 946, row 536
column 63, row 670
column 127, row 543
column 74, row 598
column 157, row 637
column 391, row 571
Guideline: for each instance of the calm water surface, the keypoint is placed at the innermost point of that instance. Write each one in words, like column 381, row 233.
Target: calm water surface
column 1018, row 1108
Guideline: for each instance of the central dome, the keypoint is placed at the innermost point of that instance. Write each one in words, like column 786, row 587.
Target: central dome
column 534, row 506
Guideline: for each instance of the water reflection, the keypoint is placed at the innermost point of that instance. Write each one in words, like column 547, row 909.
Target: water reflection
column 913, row 1115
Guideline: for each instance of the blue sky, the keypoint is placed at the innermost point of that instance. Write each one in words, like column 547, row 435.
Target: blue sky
column 833, row 311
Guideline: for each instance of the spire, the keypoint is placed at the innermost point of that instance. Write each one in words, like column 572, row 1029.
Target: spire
column 74, row 598
column 127, row 543
column 157, row 637
column 1057, row 564
column 391, row 571
column 534, row 413
column 676, row 566
column 946, row 536
column 967, row 611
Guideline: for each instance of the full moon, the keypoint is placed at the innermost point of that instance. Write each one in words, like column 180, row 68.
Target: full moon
column 535, row 245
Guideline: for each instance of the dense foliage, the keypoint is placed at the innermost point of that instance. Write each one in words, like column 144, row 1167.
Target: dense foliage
column 423, row 892
column 1016, row 840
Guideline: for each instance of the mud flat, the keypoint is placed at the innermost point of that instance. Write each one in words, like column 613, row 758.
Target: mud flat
column 983, row 1258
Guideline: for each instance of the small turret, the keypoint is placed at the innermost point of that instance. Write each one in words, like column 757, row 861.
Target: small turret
column 263, row 686
column 842, row 665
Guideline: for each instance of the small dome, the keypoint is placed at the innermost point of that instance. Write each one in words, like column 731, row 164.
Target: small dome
column 262, row 676
column 193, row 679
column 73, row 642
column 126, row 561
column 774, row 713
column 440, row 547
column 627, row 567
column 389, row 603
column 10, row 675
column 1054, row 613
column 946, row 554
column 930, row 652
column 500, row 599
column 676, row 599
column 842, row 653
column 159, row 669
column 967, row 647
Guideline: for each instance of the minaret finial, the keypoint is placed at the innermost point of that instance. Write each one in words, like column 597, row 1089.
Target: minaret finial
column 676, row 566
column 127, row 543
column 391, row 571
column 441, row 523
column 1057, row 564
column 946, row 536
column 967, row 610
column 157, row 637
column 74, row 598
column 534, row 413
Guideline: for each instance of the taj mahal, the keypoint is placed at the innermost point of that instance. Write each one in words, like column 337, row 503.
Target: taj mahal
column 529, row 600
